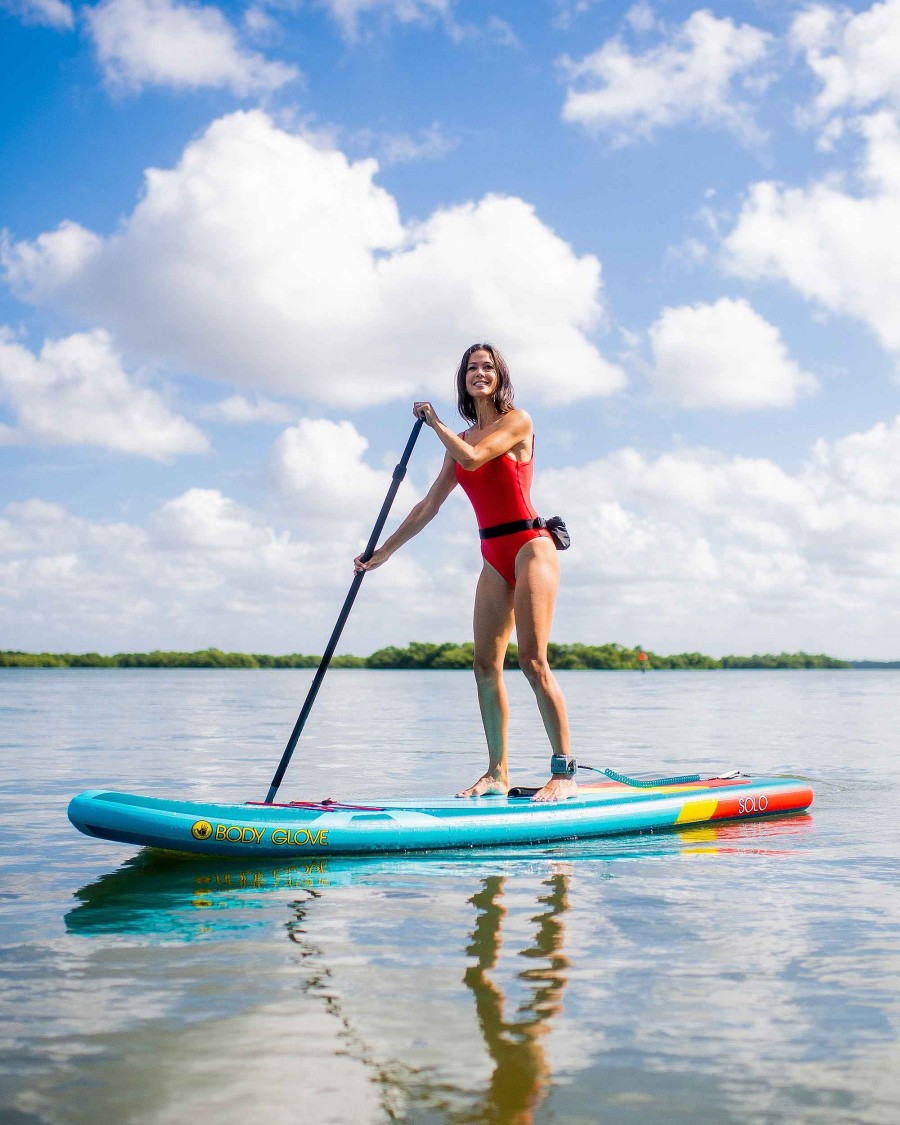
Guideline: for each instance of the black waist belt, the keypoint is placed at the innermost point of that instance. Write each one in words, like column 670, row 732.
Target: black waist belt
column 511, row 528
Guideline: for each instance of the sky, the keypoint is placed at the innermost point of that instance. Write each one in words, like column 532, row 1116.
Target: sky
column 238, row 240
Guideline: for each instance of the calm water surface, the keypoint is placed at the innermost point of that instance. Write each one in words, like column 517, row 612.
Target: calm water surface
column 746, row 973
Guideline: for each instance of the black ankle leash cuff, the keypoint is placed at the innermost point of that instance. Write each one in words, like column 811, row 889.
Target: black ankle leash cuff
column 563, row 765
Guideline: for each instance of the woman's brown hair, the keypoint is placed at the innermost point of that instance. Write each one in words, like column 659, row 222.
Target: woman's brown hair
column 503, row 395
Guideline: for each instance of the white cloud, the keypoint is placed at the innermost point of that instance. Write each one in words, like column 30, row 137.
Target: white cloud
column 53, row 260
column 76, row 393
column 731, row 553
column 641, row 16
column 202, row 518
column 405, row 148
column 159, row 43
column 568, row 11
column 835, row 247
column 239, row 410
column 725, row 356
column 502, row 33
column 259, row 22
column 201, row 561
column 279, row 266
column 347, row 13
column 691, row 76
column 854, row 55
column 317, row 469
column 865, row 465
column 205, row 569
column 46, row 13
column 686, row 549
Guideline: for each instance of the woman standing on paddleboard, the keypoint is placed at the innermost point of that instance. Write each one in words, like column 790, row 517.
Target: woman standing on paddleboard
column 493, row 462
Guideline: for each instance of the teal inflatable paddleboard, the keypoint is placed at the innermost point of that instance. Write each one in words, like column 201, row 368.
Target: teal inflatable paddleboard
column 304, row 828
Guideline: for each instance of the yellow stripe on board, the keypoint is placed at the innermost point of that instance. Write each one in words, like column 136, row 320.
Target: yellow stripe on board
column 695, row 811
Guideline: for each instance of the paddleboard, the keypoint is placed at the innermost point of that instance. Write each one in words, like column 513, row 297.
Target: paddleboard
column 319, row 828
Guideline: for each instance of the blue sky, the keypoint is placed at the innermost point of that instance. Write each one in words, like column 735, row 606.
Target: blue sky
column 240, row 239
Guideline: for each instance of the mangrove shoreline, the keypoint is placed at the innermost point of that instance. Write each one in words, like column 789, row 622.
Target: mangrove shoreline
column 421, row 655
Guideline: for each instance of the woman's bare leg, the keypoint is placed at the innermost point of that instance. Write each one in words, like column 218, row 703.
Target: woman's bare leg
column 537, row 580
column 493, row 627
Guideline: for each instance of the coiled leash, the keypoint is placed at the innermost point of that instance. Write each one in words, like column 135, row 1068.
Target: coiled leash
column 637, row 783
column 562, row 765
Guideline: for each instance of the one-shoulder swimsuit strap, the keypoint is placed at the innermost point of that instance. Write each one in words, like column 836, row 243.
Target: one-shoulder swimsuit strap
column 500, row 491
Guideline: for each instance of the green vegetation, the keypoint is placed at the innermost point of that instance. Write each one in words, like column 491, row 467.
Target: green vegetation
column 417, row 655
column 784, row 660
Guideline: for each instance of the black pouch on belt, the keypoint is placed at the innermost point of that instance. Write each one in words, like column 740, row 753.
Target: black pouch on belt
column 558, row 531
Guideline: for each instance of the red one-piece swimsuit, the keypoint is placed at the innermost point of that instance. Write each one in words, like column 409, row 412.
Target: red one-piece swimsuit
column 500, row 491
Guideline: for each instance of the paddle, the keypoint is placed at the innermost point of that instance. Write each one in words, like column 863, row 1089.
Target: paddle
column 398, row 475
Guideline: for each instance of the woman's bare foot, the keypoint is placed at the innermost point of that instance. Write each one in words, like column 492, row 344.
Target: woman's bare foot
column 489, row 785
column 557, row 789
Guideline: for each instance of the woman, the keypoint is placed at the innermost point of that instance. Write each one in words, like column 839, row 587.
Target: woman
column 517, row 587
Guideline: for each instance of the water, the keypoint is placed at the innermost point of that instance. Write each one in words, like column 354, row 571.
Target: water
column 746, row 973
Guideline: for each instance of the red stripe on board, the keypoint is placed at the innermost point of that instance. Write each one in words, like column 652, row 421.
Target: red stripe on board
column 757, row 803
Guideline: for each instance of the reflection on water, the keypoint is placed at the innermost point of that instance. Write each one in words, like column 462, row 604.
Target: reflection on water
column 159, row 899
column 162, row 896
column 730, row 973
column 521, row 1077
column 521, row 1074
column 440, row 988
column 151, row 895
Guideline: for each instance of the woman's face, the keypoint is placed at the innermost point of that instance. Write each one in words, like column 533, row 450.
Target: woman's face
column 481, row 375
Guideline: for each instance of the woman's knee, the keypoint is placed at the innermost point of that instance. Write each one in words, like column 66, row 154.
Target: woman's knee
column 487, row 669
column 536, row 668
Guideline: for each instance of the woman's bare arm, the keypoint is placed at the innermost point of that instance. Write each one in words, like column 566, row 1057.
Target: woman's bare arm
column 507, row 432
column 420, row 515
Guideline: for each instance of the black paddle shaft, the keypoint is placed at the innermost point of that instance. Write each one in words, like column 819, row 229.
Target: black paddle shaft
column 398, row 475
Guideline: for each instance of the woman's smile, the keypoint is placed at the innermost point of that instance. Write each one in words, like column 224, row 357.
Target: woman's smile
column 481, row 376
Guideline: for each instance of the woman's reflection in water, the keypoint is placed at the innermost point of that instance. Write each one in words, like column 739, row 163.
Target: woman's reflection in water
column 521, row 1078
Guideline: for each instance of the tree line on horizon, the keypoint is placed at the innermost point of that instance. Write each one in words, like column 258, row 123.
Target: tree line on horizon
column 422, row 655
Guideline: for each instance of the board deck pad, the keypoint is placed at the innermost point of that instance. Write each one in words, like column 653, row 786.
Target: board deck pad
column 325, row 827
